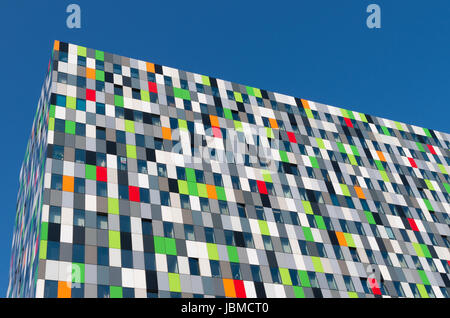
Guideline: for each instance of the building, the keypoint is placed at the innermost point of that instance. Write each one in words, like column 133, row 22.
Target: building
column 141, row 180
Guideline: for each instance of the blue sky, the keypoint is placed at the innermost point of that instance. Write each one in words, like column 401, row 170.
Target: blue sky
column 318, row 50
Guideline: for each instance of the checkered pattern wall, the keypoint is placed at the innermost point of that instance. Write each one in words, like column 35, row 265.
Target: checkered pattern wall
column 114, row 202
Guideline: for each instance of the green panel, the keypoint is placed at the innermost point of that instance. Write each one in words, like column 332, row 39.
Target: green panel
column 257, row 92
column 298, row 292
column 238, row 97
column 81, row 51
column 264, row 227
column 174, row 282
column 192, row 186
column 447, row 187
column 78, row 275
column 285, row 276
column 423, row 277
column 233, row 254
column 114, row 239
column 71, row 102
column 44, row 231
column 270, row 133
column 352, row 295
column 227, row 113
column 379, row 165
column 115, row 292
column 131, row 151
column 308, row 234
column 320, row 143
column 398, row 125
column 426, row 251
column 43, row 249
column 428, row 204
column 70, row 127
column 384, row 176
column 100, row 75
column 51, row 124
column 349, row 239
column 181, row 93
column 182, row 124
column 317, row 264
column 266, row 176
column 385, row 131
column 283, row 156
column 363, row 117
column 220, row 191
column 369, row 217
column 352, row 160
column 341, row 147
column 307, row 207
column 171, row 247
column 345, row 190
column 309, row 113
column 113, row 205
column 145, row 95
column 202, row 192
column 419, row 146
column 91, row 172
column 422, row 291
column 190, row 175
column 205, row 80
column 99, row 55
column 320, row 222
column 118, row 100
column 212, row 251
column 183, row 187
column 304, row 279
column 355, row 150
column 429, row 185
column 52, row 111
column 427, row 132
column 442, row 168
column 238, row 126
column 314, row 162
column 129, row 126
column 160, row 246
column 250, row 91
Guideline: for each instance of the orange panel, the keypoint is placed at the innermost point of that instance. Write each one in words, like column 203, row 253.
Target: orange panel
column 273, row 123
column 305, row 104
column 211, row 190
column 381, row 156
column 90, row 73
column 359, row 192
column 68, row 183
column 166, row 134
column 56, row 45
column 341, row 238
column 150, row 67
column 228, row 285
column 64, row 290
column 214, row 121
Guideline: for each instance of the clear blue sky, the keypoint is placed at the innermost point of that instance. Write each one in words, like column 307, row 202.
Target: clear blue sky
column 317, row 50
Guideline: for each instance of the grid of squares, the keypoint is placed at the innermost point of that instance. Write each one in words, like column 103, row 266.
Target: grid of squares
column 351, row 197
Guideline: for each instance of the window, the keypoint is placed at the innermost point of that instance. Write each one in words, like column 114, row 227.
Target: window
column 354, row 254
column 103, row 256
column 78, row 217
column 194, row 266
column 229, row 237
column 223, row 207
column 313, row 280
column 204, row 205
column 277, row 216
column 321, row 250
column 248, row 238
column 168, row 229
column 275, row 275
column 241, row 210
column 209, row 235
column 56, row 182
column 349, row 284
column 331, row 282
column 165, row 198
column 147, row 228
column 55, row 214
column 185, row 204
column 303, row 247
column 218, row 180
column 162, row 170
column 338, row 252
column 285, row 245
column 102, row 190
column 172, row 264
column 102, row 221
column 189, row 232
column 235, row 270
column 256, row 273
column 267, row 243
column 235, row 182
column 181, row 173
column 215, row 268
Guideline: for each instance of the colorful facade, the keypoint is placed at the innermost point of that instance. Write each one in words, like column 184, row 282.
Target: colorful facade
column 142, row 180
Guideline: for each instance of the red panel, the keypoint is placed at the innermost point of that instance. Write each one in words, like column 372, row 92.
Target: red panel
column 430, row 147
column 134, row 193
column 261, row 186
column 90, row 94
column 152, row 87
column 348, row 122
column 102, row 174
column 216, row 132
column 240, row 289
column 412, row 162
column 376, row 291
column 291, row 137
column 413, row 225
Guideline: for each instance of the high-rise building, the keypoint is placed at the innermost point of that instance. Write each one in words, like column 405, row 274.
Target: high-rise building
column 141, row 180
